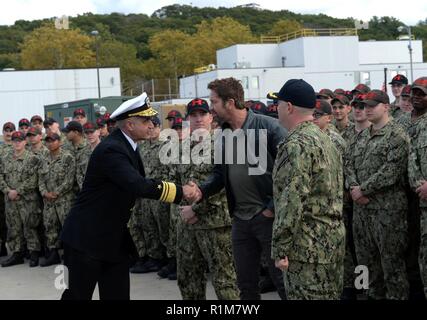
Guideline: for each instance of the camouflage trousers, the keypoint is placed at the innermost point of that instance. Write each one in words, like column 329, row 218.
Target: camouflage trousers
column 135, row 229
column 156, row 219
column 311, row 281
column 3, row 228
column 200, row 250
column 174, row 219
column 350, row 260
column 380, row 238
column 423, row 249
column 54, row 214
column 23, row 218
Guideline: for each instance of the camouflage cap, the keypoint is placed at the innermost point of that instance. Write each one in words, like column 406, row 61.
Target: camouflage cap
column 24, row 122
column 406, row 91
column 325, row 93
column 173, row 114
column 9, row 126
column 323, row 107
column 339, row 91
column 420, row 83
column 79, row 112
column 18, row 136
column 89, row 127
column 399, row 79
column 361, row 88
column 52, row 137
column 375, row 97
column 341, row 99
column 34, row 132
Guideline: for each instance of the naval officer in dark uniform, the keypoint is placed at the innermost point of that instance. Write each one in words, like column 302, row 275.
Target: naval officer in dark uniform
column 95, row 235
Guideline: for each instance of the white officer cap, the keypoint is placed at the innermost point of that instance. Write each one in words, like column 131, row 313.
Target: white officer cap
column 136, row 107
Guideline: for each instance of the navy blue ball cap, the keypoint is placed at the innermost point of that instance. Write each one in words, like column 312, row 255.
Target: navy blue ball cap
column 299, row 93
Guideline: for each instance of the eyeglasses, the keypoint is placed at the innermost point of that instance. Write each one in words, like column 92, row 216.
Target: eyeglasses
column 317, row 115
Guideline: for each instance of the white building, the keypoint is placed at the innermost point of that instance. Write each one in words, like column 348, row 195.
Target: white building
column 324, row 61
column 24, row 93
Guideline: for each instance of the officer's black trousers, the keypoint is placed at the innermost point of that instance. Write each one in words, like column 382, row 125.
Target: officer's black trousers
column 85, row 272
column 251, row 239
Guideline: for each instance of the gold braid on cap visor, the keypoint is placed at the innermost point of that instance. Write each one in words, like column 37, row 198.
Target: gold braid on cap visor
column 150, row 112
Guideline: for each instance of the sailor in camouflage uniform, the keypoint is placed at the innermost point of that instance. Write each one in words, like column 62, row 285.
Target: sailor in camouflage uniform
column 23, row 216
column 322, row 118
column 341, row 109
column 56, row 181
column 149, row 225
column 308, row 233
column 5, row 147
column 36, row 146
column 350, row 262
column 398, row 82
column 376, row 175
column 79, row 149
column 83, row 153
column 405, row 118
column 409, row 119
column 418, row 165
column 204, row 232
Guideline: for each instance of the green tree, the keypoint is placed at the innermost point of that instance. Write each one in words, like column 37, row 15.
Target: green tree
column 218, row 34
column 282, row 27
column 47, row 47
column 116, row 53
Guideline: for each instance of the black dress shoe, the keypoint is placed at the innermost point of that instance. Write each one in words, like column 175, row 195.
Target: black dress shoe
column 15, row 259
column 34, row 259
column 52, row 259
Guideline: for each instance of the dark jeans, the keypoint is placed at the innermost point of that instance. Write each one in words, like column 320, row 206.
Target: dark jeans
column 85, row 272
column 251, row 239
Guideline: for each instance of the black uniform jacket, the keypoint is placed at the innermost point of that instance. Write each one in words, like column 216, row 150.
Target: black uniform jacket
column 115, row 178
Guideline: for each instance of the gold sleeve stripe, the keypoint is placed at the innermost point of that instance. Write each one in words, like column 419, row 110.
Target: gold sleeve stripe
column 163, row 192
column 171, row 194
column 165, row 185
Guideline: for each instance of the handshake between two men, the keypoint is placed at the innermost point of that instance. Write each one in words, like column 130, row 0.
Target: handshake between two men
column 192, row 194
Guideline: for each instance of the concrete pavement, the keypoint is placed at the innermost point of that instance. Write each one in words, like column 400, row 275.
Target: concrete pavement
column 24, row 283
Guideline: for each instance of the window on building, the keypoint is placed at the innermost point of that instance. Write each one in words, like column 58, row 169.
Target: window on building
column 365, row 77
column 245, row 82
column 255, row 82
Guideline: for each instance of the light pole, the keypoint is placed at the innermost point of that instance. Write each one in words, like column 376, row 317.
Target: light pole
column 95, row 33
column 408, row 28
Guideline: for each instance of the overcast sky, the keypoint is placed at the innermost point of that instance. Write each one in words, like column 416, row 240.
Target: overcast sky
column 408, row 11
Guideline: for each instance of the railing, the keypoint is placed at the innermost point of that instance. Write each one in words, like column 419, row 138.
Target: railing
column 309, row 33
